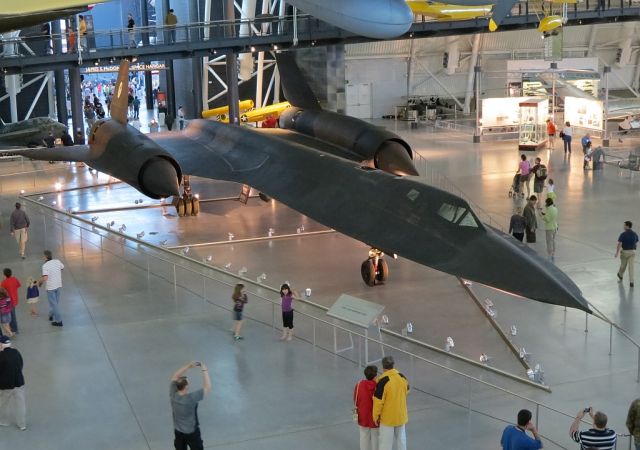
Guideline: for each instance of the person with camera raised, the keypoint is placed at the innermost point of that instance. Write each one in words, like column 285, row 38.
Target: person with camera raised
column 516, row 438
column 599, row 436
column 184, row 406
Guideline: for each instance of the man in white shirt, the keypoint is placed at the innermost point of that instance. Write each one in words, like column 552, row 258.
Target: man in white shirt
column 52, row 275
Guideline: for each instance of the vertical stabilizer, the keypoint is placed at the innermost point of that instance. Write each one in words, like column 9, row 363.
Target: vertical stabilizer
column 119, row 103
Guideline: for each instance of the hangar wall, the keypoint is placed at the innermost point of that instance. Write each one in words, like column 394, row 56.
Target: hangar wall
column 384, row 64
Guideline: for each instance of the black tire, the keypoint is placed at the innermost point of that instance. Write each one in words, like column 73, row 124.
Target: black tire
column 264, row 197
column 367, row 272
column 195, row 210
column 180, row 209
column 383, row 271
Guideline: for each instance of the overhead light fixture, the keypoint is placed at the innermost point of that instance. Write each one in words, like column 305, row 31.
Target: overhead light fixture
column 253, row 49
column 275, row 47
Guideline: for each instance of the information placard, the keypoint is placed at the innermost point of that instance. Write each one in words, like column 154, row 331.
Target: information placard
column 355, row 310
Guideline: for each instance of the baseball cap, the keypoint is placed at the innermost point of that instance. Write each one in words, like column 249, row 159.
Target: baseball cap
column 4, row 340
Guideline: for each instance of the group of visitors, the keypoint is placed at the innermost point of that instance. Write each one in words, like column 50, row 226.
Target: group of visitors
column 514, row 437
column 524, row 222
column 380, row 408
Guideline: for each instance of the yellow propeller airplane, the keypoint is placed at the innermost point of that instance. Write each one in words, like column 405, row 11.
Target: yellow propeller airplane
column 247, row 113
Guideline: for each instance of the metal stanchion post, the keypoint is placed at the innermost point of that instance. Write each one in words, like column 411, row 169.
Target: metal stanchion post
column 204, row 289
column 469, row 394
column 273, row 316
column 638, row 377
column 148, row 273
column 610, row 338
column 175, row 284
column 537, row 414
column 586, row 322
column 314, row 333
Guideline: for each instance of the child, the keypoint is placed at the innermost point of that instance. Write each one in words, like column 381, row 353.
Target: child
column 33, row 296
column 551, row 190
column 5, row 312
column 363, row 405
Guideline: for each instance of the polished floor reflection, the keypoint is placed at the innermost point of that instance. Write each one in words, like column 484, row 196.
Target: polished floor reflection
column 123, row 338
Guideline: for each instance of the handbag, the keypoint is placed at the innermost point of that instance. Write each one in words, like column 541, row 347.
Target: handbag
column 354, row 411
column 561, row 135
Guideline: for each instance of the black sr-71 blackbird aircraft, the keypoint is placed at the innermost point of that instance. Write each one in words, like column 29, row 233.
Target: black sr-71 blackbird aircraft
column 340, row 171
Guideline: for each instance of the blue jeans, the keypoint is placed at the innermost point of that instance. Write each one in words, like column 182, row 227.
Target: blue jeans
column 54, row 298
column 567, row 143
column 14, row 322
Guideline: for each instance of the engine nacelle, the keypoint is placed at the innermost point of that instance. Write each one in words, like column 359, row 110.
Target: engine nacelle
column 135, row 159
column 378, row 147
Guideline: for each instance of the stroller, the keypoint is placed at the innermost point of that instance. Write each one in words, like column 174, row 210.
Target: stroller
column 515, row 186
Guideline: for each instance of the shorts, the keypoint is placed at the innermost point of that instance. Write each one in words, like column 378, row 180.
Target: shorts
column 5, row 318
column 237, row 315
column 33, row 300
column 287, row 319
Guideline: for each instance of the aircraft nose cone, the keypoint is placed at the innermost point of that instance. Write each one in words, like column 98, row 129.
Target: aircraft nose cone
column 160, row 179
column 392, row 157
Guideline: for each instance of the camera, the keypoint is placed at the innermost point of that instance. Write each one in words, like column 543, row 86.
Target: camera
column 587, row 409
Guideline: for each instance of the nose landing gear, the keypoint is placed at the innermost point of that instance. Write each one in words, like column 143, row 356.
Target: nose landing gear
column 375, row 269
column 187, row 204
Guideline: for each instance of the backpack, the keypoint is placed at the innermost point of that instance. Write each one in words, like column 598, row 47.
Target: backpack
column 541, row 173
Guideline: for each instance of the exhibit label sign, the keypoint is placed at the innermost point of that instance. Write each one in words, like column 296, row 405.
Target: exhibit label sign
column 355, row 310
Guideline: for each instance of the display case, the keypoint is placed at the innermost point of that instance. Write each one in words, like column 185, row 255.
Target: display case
column 532, row 124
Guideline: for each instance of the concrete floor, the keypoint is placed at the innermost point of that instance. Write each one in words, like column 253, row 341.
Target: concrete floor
column 123, row 336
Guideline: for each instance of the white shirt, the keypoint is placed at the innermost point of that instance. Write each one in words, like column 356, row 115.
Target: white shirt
column 568, row 131
column 53, row 270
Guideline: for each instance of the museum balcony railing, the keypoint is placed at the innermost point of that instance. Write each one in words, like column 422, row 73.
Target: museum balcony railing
column 432, row 371
column 261, row 33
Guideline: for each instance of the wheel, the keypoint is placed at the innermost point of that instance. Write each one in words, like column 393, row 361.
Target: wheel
column 180, row 209
column 188, row 207
column 383, row 271
column 195, row 210
column 367, row 272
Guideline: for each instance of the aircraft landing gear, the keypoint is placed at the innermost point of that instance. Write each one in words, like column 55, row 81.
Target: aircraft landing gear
column 187, row 204
column 375, row 269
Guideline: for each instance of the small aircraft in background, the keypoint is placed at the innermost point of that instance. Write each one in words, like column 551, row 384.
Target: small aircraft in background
column 248, row 114
column 29, row 133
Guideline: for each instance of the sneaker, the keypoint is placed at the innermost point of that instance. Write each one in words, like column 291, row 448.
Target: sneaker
column 619, row 277
column 23, row 428
column 630, row 284
column 50, row 318
column 237, row 338
column 56, row 324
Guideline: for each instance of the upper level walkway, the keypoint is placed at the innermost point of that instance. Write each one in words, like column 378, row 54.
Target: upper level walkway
column 30, row 53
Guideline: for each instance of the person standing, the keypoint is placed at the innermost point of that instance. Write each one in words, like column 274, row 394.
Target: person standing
column 599, row 437
column 524, row 169
column 11, row 384
column 180, row 118
column 530, row 220
column 363, row 402
column 82, row 25
column 136, row 108
column 52, row 275
column 515, row 437
column 33, row 296
column 550, row 219
column 390, row 407
column 539, row 172
column 18, row 226
column 12, row 285
column 567, row 135
column 239, row 298
column 168, row 121
column 79, row 137
column 171, row 21
column 131, row 30
column 586, row 142
column 5, row 313
column 517, row 225
column 633, row 421
column 286, row 303
column 627, row 243
column 551, row 132
column 49, row 141
column 184, row 407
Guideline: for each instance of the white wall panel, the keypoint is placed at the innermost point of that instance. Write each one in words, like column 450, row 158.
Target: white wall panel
column 388, row 78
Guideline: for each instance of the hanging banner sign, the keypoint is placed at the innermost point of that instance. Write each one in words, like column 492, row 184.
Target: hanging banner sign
column 132, row 68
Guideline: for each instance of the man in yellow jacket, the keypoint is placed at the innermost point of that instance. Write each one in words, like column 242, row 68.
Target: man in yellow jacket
column 390, row 407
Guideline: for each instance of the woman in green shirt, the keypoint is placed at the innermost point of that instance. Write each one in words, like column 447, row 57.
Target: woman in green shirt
column 550, row 219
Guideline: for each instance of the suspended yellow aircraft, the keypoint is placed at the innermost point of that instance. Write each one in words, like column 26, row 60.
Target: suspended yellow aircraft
column 247, row 113
column 24, row 13
column 260, row 114
column 445, row 10
column 222, row 112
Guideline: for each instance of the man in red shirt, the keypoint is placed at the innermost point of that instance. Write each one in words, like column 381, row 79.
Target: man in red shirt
column 12, row 284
